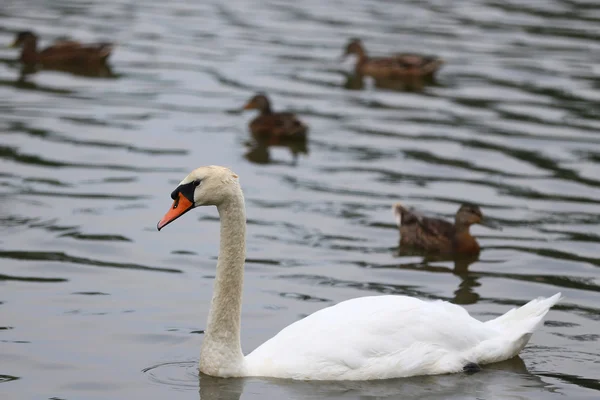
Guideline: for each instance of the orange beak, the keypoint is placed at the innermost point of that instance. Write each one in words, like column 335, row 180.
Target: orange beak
column 180, row 206
column 249, row 106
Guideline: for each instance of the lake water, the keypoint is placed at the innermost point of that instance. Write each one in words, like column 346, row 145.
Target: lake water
column 96, row 304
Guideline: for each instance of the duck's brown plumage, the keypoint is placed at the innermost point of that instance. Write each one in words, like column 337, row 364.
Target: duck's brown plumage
column 274, row 128
column 63, row 52
column 437, row 235
column 398, row 66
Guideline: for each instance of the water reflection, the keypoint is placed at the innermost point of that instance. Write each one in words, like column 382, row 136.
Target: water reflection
column 88, row 71
column 24, row 84
column 8, row 378
column 494, row 381
column 465, row 293
column 258, row 152
column 86, row 162
column 4, row 277
column 415, row 84
column 62, row 257
column 220, row 389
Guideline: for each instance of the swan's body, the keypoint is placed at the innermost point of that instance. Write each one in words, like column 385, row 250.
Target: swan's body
column 365, row 338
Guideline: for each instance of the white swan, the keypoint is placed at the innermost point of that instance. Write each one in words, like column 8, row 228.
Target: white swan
column 366, row 338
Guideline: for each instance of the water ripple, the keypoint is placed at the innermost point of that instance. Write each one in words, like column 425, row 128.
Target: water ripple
column 88, row 164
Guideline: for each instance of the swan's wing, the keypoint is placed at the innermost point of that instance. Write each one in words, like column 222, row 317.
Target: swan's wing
column 371, row 338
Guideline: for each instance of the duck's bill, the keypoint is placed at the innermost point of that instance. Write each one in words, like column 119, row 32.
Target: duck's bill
column 249, row 106
column 13, row 45
column 180, row 206
column 491, row 224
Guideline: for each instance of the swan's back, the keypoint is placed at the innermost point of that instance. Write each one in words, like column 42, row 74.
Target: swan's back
column 384, row 337
column 371, row 338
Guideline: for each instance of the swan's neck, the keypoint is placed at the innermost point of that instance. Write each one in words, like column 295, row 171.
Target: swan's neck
column 221, row 353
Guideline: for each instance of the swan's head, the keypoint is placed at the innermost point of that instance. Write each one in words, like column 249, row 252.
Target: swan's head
column 204, row 186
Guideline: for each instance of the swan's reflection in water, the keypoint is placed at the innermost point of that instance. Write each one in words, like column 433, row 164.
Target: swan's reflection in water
column 465, row 293
column 509, row 379
column 220, row 389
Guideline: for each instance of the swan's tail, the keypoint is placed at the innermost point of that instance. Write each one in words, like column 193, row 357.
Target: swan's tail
column 526, row 318
column 514, row 330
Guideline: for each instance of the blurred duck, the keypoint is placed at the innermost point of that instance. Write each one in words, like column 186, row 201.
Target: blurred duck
column 274, row 128
column 439, row 236
column 398, row 66
column 61, row 53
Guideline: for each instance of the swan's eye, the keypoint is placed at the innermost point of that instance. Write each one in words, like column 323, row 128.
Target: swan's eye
column 197, row 182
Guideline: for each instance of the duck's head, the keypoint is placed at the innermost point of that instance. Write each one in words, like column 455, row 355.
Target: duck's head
column 469, row 214
column 354, row 46
column 204, row 186
column 24, row 37
column 259, row 102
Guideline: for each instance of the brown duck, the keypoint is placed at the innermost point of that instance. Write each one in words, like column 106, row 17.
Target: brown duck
column 398, row 66
column 63, row 52
column 274, row 128
column 439, row 236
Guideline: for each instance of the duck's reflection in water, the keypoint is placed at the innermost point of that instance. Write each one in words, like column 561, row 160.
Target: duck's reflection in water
column 103, row 71
column 509, row 379
column 465, row 293
column 411, row 84
column 258, row 152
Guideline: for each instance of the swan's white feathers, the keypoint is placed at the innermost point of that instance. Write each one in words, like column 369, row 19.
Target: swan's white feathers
column 535, row 308
column 223, row 174
column 385, row 337
column 366, row 338
column 217, row 185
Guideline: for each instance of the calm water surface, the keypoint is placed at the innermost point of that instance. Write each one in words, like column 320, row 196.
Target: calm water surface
column 96, row 304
